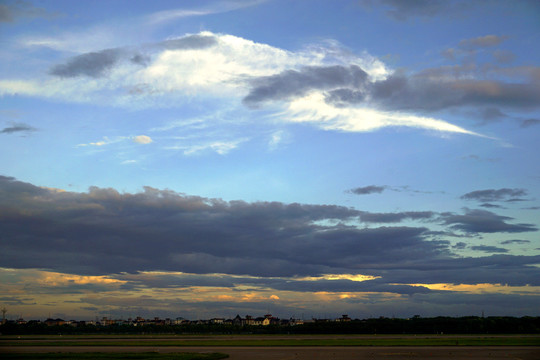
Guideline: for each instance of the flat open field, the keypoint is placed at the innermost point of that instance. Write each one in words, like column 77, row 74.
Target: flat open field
column 299, row 347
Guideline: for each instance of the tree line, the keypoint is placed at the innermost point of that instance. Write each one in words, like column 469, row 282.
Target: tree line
column 415, row 325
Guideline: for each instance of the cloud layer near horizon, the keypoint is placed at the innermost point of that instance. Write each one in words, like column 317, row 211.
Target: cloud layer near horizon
column 325, row 86
column 104, row 232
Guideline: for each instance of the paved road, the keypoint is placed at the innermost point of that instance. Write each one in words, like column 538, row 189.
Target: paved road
column 319, row 353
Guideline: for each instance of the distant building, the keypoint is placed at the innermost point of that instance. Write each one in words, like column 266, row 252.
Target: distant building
column 54, row 322
column 238, row 321
column 294, row 322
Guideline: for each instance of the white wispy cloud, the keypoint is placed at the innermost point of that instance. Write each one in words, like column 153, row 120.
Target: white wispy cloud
column 139, row 139
column 221, row 147
column 105, row 141
column 313, row 109
column 278, row 138
column 193, row 70
column 222, row 68
column 214, row 8
column 81, row 39
column 142, row 139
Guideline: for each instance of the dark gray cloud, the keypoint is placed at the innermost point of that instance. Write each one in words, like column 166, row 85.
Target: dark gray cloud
column 348, row 286
column 285, row 284
column 17, row 128
column 403, row 10
column 489, row 249
column 107, row 232
column 97, row 64
column 140, row 59
column 16, row 300
column 483, row 221
column 93, row 64
column 478, row 158
column 494, row 269
column 491, row 206
column 429, row 90
column 189, row 42
column 396, row 217
column 504, row 56
column 492, row 114
column 12, row 11
column 530, row 122
column 297, row 82
column 488, row 195
column 481, row 42
column 507, row 242
column 365, row 190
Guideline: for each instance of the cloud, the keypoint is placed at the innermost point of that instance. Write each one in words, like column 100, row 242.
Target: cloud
column 94, row 64
column 478, row 158
column 15, row 300
column 325, row 283
column 507, row 242
column 105, row 141
column 293, row 83
column 277, row 138
column 435, row 90
column 166, row 16
column 103, row 232
column 395, row 217
column 371, row 189
column 403, row 10
column 190, row 42
column 428, row 90
column 491, row 206
column 530, row 122
column 139, row 139
column 142, row 139
column 504, row 56
column 315, row 109
column 17, row 128
column 220, row 147
column 483, row 221
column 460, row 245
column 481, row 42
column 503, row 194
column 12, row 11
column 323, row 85
column 97, row 64
column 488, row 248
column 491, row 114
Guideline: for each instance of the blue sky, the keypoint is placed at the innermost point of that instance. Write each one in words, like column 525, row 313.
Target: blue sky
column 234, row 156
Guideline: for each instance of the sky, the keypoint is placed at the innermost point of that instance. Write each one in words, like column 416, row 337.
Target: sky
column 300, row 158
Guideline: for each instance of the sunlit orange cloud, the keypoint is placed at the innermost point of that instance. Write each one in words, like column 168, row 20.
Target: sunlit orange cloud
column 328, row 296
column 352, row 277
column 481, row 288
column 57, row 279
column 51, row 278
column 53, row 189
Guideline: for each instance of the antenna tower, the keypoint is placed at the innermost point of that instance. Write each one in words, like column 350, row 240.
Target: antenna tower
column 4, row 311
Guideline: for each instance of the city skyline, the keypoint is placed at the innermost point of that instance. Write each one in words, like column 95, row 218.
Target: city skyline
column 370, row 158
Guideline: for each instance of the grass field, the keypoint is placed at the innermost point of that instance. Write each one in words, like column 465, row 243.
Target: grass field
column 115, row 356
column 405, row 340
